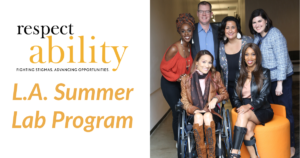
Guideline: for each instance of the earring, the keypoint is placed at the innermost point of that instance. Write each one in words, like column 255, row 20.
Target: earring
column 180, row 41
column 239, row 36
column 192, row 41
column 266, row 24
column 225, row 38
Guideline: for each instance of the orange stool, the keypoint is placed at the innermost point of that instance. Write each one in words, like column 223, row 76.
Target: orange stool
column 273, row 139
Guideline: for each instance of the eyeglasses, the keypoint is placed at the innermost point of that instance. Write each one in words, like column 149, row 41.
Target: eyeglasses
column 204, row 11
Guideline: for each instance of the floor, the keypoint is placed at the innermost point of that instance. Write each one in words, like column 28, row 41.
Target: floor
column 163, row 146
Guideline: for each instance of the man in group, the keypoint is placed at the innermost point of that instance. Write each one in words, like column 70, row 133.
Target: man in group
column 205, row 35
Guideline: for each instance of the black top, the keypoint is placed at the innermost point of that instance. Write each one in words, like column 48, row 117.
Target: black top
column 233, row 67
column 259, row 100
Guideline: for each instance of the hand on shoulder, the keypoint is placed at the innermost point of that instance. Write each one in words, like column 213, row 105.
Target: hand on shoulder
column 183, row 78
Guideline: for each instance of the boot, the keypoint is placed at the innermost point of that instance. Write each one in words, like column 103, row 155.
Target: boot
column 252, row 142
column 210, row 140
column 238, row 137
column 199, row 137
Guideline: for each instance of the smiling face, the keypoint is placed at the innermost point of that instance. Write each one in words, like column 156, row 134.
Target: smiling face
column 259, row 24
column 231, row 30
column 186, row 32
column 250, row 57
column 204, row 14
column 204, row 63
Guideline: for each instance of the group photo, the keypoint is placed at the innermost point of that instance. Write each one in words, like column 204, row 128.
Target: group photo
column 224, row 79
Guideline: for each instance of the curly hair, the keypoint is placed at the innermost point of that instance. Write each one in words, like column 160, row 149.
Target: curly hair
column 223, row 26
column 185, row 18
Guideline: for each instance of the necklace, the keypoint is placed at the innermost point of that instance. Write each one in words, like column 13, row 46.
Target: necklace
column 186, row 56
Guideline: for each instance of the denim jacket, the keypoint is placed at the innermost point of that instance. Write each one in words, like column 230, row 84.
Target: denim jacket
column 223, row 58
column 275, row 54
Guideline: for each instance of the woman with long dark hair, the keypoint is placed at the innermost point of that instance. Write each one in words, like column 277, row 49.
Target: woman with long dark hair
column 276, row 58
column 201, row 91
column 232, row 42
column 176, row 63
column 253, row 84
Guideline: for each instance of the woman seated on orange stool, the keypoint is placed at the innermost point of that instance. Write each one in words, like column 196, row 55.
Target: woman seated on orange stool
column 199, row 98
column 253, row 86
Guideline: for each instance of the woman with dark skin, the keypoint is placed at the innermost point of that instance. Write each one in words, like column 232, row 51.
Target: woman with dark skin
column 201, row 91
column 176, row 63
column 250, row 96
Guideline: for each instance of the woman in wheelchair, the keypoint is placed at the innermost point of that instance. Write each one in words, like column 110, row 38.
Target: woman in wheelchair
column 253, row 85
column 199, row 97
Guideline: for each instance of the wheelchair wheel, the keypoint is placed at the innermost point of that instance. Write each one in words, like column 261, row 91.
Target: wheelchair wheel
column 181, row 135
column 223, row 151
column 229, row 127
column 226, row 132
column 179, row 127
column 190, row 151
column 222, row 111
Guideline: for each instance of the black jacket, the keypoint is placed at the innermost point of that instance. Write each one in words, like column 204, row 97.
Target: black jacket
column 258, row 100
column 196, row 46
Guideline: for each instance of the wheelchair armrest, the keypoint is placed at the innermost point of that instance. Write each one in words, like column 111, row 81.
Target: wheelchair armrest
column 178, row 106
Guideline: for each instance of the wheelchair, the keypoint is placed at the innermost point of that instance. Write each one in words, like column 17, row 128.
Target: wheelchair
column 186, row 145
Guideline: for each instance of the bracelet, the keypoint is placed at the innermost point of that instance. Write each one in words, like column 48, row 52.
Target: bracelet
column 179, row 79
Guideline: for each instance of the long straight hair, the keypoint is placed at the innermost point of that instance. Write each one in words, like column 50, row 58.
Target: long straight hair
column 257, row 72
column 212, row 70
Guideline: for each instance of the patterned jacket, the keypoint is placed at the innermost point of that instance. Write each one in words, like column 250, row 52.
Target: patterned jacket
column 275, row 54
column 223, row 58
